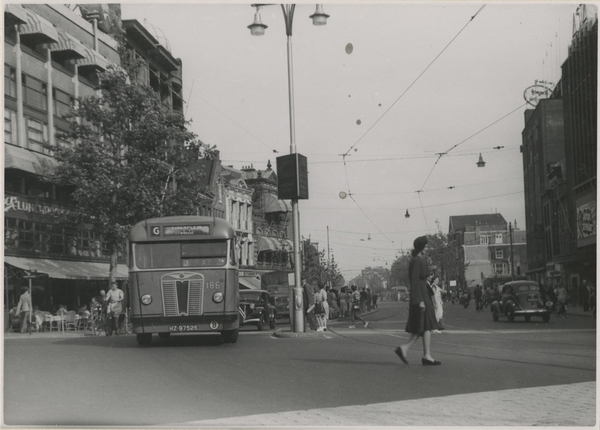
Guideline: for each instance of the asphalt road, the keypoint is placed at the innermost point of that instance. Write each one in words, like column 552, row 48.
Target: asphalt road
column 100, row 381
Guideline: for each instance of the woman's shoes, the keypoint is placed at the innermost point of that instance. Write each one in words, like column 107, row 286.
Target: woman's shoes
column 430, row 362
column 400, row 354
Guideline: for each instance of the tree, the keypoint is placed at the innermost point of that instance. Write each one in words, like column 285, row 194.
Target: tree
column 315, row 267
column 131, row 159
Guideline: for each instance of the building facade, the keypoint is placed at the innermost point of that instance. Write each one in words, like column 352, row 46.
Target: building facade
column 559, row 147
column 53, row 54
column 489, row 247
column 272, row 222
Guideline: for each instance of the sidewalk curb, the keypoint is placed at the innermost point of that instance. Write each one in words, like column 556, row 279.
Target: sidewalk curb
column 288, row 334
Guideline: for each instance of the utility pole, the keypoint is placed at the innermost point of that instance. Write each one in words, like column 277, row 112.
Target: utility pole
column 512, row 260
column 328, row 260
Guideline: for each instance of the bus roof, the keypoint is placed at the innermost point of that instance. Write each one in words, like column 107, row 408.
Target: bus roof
column 184, row 227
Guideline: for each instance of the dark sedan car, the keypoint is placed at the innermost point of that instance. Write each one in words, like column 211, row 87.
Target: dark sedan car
column 280, row 298
column 521, row 298
column 255, row 308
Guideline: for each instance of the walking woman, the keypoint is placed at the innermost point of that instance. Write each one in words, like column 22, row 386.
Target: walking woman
column 421, row 313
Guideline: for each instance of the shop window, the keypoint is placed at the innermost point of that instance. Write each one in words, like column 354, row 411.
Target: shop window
column 11, row 234
column 10, row 82
column 36, row 188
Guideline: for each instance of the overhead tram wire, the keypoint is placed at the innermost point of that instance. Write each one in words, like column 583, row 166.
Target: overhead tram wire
column 415, row 81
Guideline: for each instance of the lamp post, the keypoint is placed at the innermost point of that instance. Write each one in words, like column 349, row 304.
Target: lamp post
column 257, row 28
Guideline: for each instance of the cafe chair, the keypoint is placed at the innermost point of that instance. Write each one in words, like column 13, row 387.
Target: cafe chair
column 70, row 320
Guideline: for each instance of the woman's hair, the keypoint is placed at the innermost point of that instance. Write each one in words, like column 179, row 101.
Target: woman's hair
column 419, row 245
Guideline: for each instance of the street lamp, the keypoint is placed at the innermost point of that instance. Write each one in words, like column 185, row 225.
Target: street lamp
column 257, row 28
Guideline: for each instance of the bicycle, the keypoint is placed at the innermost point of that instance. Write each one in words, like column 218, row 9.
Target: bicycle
column 98, row 322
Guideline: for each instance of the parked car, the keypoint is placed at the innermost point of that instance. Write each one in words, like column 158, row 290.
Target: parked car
column 280, row 298
column 521, row 298
column 255, row 308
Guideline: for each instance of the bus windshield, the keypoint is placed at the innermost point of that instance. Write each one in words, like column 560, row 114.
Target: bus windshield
column 180, row 254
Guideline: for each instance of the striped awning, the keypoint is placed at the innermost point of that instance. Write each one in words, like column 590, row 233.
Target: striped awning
column 19, row 158
column 39, row 29
column 273, row 204
column 14, row 14
column 92, row 59
column 266, row 243
column 58, row 269
column 67, row 46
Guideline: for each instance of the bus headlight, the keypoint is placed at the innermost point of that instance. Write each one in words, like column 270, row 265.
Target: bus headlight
column 218, row 297
column 146, row 299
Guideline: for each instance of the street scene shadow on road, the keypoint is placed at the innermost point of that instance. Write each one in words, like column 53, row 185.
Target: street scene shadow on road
column 129, row 342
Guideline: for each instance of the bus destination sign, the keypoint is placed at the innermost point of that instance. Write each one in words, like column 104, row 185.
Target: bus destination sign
column 185, row 230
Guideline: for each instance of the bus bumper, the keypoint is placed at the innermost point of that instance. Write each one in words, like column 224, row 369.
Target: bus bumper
column 198, row 324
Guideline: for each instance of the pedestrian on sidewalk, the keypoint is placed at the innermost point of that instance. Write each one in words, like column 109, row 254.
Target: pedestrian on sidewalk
column 322, row 307
column 309, row 305
column 561, row 297
column 438, row 303
column 24, row 309
column 363, row 299
column 342, row 302
column 375, row 297
column 421, row 313
column 355, row 308
column 369, row 299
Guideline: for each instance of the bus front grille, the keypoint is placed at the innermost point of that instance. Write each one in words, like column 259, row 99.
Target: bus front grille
column 182, row 294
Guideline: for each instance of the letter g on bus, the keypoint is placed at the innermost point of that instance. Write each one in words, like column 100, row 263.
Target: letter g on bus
column 156, row 231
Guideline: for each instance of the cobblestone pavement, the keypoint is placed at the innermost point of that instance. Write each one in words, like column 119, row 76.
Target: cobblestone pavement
column 555, row 405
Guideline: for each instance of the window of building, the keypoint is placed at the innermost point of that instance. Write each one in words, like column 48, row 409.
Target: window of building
column 10, row 127
column 484, row 240
column 37, row 135
column 499, row 253
column 499, row 238
column 35, row 93
column 10, row 82
column 499, row 268
column 63, row 102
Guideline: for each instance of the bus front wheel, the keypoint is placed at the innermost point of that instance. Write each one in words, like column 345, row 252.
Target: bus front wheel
column 143, row 338
column 230, row 336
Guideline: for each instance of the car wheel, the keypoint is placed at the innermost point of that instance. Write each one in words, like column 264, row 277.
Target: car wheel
column 164, row 335
column 527, row 318
column 546, row 318
column 272, row 324
column 259, row 324
column 143, row 338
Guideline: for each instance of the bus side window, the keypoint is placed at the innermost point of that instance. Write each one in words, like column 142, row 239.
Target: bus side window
column 234, row 251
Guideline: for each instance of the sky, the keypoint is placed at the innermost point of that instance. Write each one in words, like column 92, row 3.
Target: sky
column 421, row 79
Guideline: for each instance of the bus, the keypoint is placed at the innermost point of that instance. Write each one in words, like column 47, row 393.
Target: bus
column 183, row 277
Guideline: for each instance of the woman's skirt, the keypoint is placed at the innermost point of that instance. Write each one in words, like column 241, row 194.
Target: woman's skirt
column 421, row 320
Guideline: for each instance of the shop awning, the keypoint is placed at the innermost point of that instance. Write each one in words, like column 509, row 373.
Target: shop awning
column 14, row 14
column 266, row 243
column 273, row 204
column 59, row 269
column 19, row 158
column 67, row 47
column 249, row 283
column 39, row 29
